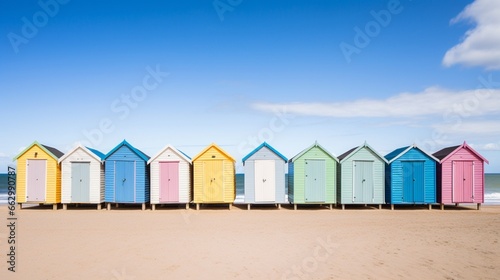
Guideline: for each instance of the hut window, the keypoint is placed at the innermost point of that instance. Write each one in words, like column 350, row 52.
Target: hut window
column 213, row 156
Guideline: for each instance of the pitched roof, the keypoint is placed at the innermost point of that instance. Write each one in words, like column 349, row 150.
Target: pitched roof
column 93, row 153
column 309, row 148
column 53, row 152
column 441, row 154
column 392, row 156
column 176, row 151
column 135, row 150
column 262, row 146
column 352, row 151
column 445, row 153
column 213, row 145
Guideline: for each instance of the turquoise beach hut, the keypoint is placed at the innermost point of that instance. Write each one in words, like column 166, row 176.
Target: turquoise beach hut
column 312, row 177
column 410, row 177
column 126, row 176
column 264, row 169
column 361, row 177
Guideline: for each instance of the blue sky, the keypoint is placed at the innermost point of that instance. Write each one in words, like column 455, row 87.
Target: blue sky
column 237, row 73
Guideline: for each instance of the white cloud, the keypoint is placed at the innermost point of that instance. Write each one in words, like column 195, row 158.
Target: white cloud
column 470, row 127
column 486, row 147
column 432, row 101
column 481, row 44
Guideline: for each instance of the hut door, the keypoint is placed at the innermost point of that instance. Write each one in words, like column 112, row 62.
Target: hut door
column 35, row 187
column 265, row 186
column 124, row 181
column 169, row 181
column 363, row 182
column 413, row 181
column 213, row 187
column 463, row 185
column 80, row 181
column 315, row 180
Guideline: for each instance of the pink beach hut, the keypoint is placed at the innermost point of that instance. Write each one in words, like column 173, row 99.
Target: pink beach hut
column 460, row 176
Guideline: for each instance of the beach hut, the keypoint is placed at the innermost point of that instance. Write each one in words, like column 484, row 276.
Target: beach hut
column 170, row 172
column 126, row 176
column 312, row 177
column 410, row 177
column 213, row 176
column 82, row 177
column 460, row 176
column 361, row 177
column 38, row 175
column 264, row 170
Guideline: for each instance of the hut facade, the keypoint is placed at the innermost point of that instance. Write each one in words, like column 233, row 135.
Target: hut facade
column 170, row 172
column 361, row 177
column 38, row 175
column 82, row 177
column 410, row 177
column 264, row 170
column 312, row 177
column 126, row 176
column 213, row 177
column 460, row 175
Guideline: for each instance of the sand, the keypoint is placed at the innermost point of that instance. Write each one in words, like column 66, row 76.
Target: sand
column 264, row 243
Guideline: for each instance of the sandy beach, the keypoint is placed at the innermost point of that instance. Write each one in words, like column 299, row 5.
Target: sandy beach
column 264, row 243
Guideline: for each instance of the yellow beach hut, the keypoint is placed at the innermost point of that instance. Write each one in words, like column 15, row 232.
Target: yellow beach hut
column 213, row 177
column 39, row 175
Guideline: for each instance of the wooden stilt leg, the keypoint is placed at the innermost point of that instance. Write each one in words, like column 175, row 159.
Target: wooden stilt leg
column 20, row 206
column 187, row 206
column 65, row 206
column 116, row 205
column 143, row 206
column 279, row 206
column 380, row 207
column 479, row 206
column 295, row 207
column 392, row 206
column 430, row 206
column 230, row 206
column 153, row 207
column 248, row 206
column 99, row 205
column 54, row 206
column 197, row 206
column 109, row 206
column 442, row 206
column 331, row 207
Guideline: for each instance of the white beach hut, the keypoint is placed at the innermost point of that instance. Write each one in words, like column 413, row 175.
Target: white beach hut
column 170, row 172
column 82, row 177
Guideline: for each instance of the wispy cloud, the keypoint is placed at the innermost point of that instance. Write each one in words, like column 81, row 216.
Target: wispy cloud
column 481, row 44
column 432, row 101
column 471, row 127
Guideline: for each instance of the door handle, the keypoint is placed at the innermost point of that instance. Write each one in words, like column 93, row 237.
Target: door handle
column 124, row 179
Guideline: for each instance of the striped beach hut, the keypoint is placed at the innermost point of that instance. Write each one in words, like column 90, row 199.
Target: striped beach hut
column 410, row 177
column 38, row 175
column 213, row 177
column 82, row 177
column 170, row 172
column 460, row 175
column 361, row 177
column 264, row 169
column 126, row 176
column 312, row 177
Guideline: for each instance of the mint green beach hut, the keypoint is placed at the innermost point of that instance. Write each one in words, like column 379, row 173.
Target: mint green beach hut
column 361, row 177
column 312, row 177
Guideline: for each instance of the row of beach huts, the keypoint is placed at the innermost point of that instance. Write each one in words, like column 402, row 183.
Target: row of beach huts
column 125, row 175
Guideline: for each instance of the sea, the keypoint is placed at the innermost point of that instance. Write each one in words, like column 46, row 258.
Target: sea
column 491, row 195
